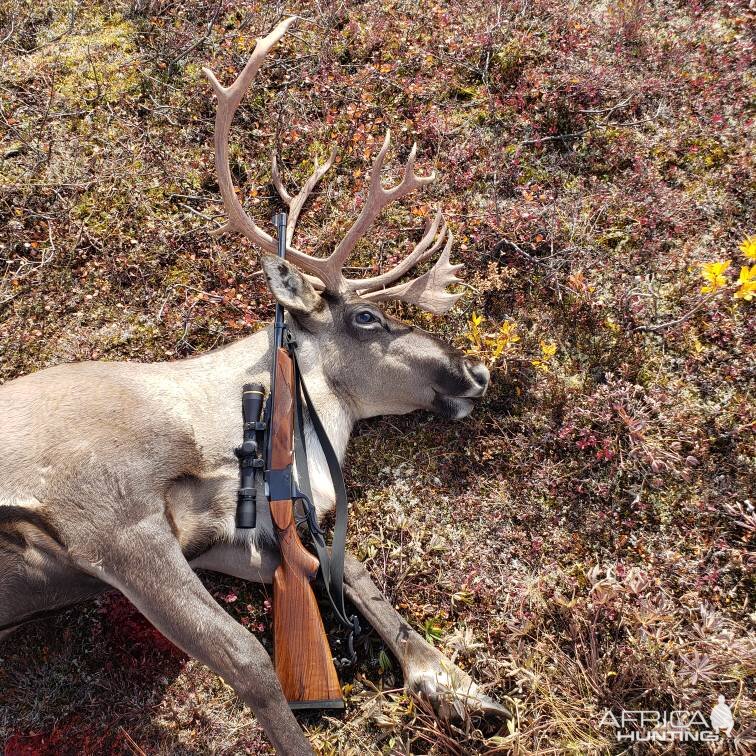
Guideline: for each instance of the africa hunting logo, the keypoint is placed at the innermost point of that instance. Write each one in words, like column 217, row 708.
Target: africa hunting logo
column 639, row 726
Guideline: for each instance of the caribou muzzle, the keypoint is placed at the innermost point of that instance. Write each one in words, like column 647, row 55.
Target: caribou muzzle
column 458, row 387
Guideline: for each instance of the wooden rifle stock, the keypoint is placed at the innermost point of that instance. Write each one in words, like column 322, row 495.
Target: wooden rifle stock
column 302, row 655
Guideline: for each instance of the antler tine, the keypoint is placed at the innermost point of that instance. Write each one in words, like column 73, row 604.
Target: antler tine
column 275, row 177
column 421, row 252
column 297, row 203
column 228, row 101
column 377, row 199
column 429, row 290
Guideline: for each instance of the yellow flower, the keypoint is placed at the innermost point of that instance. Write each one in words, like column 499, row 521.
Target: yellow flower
column 508, row 331
column 506, row 336
column 747, row 281
column 713, row 272
column 548, row 350
column 490, row 346
column 473, row 330
column 748, row 247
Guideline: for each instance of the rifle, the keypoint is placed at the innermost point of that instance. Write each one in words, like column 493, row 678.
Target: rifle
column 302, row 655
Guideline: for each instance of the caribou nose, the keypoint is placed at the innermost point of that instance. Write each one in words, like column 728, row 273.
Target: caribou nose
column 478, row 373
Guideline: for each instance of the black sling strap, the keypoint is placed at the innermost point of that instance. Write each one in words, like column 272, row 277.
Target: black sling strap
column 331, row 566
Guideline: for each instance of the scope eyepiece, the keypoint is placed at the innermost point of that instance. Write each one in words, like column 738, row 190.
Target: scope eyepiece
column 246, row 509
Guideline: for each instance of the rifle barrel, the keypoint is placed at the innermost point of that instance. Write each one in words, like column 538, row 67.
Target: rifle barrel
column 279, row 220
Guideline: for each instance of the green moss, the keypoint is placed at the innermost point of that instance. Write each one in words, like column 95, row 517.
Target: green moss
column 96, row 61
column 462, row 92
column 181, row 273
column 533, row 173
column 703, row 154
column 614, row 238
column 508, row 61
column 103, row 207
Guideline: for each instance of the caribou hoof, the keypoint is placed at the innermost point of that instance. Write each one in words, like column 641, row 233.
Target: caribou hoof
column 451, row 691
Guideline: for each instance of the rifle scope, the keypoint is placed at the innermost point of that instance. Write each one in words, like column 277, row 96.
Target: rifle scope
column 248, row 454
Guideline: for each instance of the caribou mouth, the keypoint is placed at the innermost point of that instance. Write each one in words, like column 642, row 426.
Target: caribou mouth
column 452, row 407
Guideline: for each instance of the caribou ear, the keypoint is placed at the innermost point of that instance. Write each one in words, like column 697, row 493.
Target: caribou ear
column 290, row 288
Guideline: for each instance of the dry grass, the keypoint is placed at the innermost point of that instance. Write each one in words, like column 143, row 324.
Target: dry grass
column 584, row 540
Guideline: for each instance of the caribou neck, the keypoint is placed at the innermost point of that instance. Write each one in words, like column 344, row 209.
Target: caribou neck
column 213, row 384
column 335, row 412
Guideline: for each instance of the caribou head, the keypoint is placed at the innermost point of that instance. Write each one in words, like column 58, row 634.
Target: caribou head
column 374, row 362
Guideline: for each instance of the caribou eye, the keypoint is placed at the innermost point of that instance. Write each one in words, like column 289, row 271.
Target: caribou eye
column 365, row 318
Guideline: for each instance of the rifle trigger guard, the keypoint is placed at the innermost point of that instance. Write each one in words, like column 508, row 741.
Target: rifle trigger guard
column 310, row 514
column 354, row 630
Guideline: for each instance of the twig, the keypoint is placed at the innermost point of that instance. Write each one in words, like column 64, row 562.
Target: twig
column 131, row 742
column 201, row 40
column 670, row 323
column 556, row 137
column 197, row 212
column 52, row 245
column 204, row 198
column 8, row 35
column 503, row 241
column 576, row 134
column 620, row 104
column 94, row 73
column 211, row 297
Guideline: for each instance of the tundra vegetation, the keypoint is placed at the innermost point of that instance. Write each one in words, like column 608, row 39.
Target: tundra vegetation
column 581, row 542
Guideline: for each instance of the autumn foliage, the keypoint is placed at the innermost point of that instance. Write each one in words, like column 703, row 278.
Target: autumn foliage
column 584, row 540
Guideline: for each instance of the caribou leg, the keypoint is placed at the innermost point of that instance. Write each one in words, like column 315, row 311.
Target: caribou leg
column 148, row 567
column 427, row 672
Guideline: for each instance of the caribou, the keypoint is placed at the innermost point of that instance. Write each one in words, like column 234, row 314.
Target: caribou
column 122, row 475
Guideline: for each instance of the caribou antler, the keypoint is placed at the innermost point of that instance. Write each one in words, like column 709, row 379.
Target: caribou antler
column 427, row 291
column 297, row 203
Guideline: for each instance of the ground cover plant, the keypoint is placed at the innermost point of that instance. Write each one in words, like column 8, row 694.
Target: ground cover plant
column 582, row 542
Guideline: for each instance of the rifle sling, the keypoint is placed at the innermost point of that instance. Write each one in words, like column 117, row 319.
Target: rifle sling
column 331, row 566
